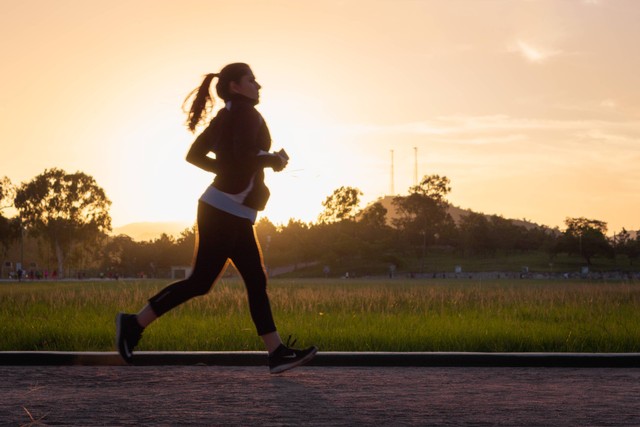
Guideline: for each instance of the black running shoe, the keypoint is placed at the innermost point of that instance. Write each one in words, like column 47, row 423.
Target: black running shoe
column 128, row 334
column 285, row 358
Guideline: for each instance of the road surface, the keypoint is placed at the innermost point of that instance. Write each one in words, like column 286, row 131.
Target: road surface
column 318, row 396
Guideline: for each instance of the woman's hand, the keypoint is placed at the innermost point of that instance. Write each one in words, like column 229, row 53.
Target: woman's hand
column 282, row 164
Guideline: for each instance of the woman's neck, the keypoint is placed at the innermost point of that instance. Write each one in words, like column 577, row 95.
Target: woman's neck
column 237, row 97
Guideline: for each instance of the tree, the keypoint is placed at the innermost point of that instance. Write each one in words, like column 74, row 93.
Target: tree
column 9, row 227
column 586, row 237
column 628, row 246
column 423, row 213
column 64, row 209
column 9, row 232
column 163, row 254
column 185, row 245
column 293, row 241
column 375, row 237
column 375, row 216
column 435, row 187
column 340, row 205
column 476, row 235
column 265, row 230
column 119, row 255
column 7, row 193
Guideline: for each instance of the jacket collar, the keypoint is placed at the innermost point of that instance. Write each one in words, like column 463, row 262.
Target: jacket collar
column 240, row 99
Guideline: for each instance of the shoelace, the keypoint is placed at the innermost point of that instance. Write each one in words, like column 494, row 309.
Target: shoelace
column 289, row 345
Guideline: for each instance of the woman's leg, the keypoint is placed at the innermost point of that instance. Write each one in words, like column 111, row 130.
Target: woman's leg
column 247, row 257
column 271, row 341
column 215, row 237
column 146, row 316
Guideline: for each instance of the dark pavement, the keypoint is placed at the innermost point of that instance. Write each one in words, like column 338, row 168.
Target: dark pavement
column 318, row 395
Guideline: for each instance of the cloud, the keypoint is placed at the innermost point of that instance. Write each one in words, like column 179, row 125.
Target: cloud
column 532, row 53
column 611, row 138
column 449, row 125
column 505, row 129
column 420, row 128
column 509, row 138
column 609, row 103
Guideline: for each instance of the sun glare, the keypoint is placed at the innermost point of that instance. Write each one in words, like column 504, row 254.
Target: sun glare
column 495, row 101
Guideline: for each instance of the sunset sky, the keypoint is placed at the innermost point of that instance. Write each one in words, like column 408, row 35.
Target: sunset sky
column 530, row 107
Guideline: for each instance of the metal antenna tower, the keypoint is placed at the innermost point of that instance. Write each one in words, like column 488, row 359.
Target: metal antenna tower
column 415, row 166
column 393, row 191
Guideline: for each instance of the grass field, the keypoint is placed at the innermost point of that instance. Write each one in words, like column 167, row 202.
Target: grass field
column 336, row 315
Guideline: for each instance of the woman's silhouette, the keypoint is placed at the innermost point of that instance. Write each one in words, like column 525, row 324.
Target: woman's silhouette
column 227, row 210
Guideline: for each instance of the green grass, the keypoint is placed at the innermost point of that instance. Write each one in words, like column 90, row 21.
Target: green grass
column 441, row 260
column 336, row 315
column 536, row 261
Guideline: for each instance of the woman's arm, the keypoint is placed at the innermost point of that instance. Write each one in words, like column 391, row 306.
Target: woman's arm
column 251, row 139
column 198, row 153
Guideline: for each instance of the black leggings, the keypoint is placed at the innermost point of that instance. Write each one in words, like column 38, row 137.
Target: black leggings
column 222, row 236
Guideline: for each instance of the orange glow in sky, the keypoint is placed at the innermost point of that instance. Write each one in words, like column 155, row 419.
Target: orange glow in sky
column 530, row 107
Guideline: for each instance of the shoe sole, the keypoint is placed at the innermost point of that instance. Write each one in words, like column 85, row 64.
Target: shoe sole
column 280, row 369
column 124, row 353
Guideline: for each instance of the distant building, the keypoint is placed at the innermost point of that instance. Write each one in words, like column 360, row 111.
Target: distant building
column 179, row 272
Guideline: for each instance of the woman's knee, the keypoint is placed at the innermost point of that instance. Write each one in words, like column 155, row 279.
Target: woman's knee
column 200, row 284
column 256, row 282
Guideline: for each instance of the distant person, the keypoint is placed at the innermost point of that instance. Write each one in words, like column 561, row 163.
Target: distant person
column 227, row 210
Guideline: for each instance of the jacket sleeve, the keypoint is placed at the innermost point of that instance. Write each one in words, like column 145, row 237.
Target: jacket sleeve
column 201, row 147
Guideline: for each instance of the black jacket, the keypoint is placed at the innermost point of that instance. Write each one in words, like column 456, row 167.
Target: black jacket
column 236, row 136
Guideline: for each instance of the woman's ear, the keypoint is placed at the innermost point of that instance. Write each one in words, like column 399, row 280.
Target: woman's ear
column 233, row 87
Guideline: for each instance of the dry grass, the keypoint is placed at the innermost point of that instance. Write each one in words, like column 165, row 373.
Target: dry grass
column 337, row 315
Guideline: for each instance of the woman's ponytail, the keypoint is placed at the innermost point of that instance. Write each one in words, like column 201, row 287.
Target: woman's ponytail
column 202, row 102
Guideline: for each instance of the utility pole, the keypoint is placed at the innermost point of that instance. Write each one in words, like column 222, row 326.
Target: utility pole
column 20, row 269
column 393, row 191
column 415, row 166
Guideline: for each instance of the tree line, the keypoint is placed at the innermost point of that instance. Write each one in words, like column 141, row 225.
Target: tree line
column 62, row 228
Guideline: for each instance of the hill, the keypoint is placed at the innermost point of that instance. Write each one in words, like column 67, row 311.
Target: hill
column 455, row 212
column 144, row 231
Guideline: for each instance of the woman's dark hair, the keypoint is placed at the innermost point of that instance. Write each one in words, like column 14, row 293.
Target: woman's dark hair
column 202, row 101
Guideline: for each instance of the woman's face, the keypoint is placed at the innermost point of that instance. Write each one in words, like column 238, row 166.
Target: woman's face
column 247, row 86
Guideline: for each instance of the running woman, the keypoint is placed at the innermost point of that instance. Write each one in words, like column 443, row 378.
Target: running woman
column 227, row 210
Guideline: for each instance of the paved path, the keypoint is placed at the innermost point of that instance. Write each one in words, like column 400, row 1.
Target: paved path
column 331, row 396
column 328, row 358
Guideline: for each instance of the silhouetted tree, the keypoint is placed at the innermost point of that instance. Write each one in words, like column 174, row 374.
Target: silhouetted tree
column 435, row 187
column 586, row 237
column 185, row 246
column 476, row 234
column 9, row 232
column 10, row 228
column 267, row 234
column 423, row 213
column 64, row 209
column 374, row 216
column 340, row 205
column 120, row 255
column 295, row 243
column 7, row 193
column 625, row 245
column 163, row 255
